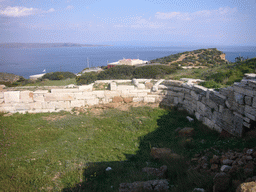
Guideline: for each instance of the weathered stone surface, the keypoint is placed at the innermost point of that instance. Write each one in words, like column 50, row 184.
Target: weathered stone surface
column 149, row 100
column 113, row 86
column 12, row 97
column 85, row 87
column 77, row 103
column 92, row 101
column 239, row 98
column 247, row 187
column 26, row 96
column 138, row 186
column 117, row 99
column 160, row 153
column 187, row 132
column 22, row 106
column 225, row 168
column 161, row 172
column 128, row 99
column 1, row 95
column 248, row 100
column 65, row 90
column 221, row 182
column 148, row 85
column 217, row 98
column 58, row 97
column 250, row 110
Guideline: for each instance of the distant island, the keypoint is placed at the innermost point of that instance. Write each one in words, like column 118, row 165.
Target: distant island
column 45, row 45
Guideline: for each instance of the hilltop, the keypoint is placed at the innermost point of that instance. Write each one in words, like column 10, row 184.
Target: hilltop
column 194, row 59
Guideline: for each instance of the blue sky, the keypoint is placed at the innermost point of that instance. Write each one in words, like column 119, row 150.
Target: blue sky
column 215, row 22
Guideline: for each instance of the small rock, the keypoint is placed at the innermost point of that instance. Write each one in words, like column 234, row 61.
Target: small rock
column 247, row 187
column 198, row 190
column 161, row 172
column 225, row 168
column 249, row 151
column 227, row 162
column 187, row 132
column 214, row 167
column 152, row 185
column 221, row 182
column 190, row 119
column 215, row 159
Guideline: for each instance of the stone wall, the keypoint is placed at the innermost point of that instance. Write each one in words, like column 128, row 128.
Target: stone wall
column 55, row 100
column 232, row 109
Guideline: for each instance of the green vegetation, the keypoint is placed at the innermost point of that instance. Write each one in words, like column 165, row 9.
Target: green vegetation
column 200, row 57
column 47, row 82
column 61, row 151
column 127, row 72
column 58, row 75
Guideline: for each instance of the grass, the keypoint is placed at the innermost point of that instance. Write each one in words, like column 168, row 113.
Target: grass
column 53, row 82
column 68, row 152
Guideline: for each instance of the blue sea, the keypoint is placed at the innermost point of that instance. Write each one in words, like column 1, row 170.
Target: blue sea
column 26, row 62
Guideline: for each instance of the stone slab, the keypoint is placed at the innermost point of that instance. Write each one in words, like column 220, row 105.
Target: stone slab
column 59, row 97
column 65, row 90
column 85, row 87
column 26, row 96
column 22, row 107
column 92, row 102
column 12, row 97
column 77, row 103
column 1, row 95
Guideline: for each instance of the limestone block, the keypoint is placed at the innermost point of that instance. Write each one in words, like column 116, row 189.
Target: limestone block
column 26, row 96
column 65, row 90
column 124, row 92
column 77, row 103
column 149, row 100
column 142, row 94
column 137, row 99
column 246, row 119
column 200, row 89
column 36, row 105
column 246, row 124
column 250, row 116
column 210, row 103
column 22, row 106
column 200, row 107
column 227, row 91
column 130, row 95
column 228, row 104
column 217, row 98
column 173, row 83
column 87, row 93
column 99, row 94
column 38, row 97
column 176, row 100
column 217, row 128
column 8, row 108
column 49, row 105
column 188, row 97
column 251, row 110
column 221, row 108
column 239, row 98
column 208, row 122
column 86, row 87
column 254, row 102
column 185, row 90
column 199, row 117
column 227, row 116
column 194, row 95
column 248, row 101
column 238, row 125
column 113, row 86
column 176, row 89
column 12, row 97
column 92, row 101
column 243, row 90
column 112, row 93
column 125, row 87
column 1, row 95
column 141, row 86
column 59, row 97
column 1, row 101
column 41, row 91
column 252, row 83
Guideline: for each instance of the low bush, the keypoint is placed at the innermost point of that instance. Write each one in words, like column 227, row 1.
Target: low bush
column 58, row 75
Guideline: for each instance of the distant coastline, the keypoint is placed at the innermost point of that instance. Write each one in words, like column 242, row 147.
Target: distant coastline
column 46, row 45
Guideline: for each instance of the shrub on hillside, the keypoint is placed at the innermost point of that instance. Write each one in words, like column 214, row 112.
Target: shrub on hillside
column 86, row 78
column 153, row 71
column 118, row 72
column 58, row 75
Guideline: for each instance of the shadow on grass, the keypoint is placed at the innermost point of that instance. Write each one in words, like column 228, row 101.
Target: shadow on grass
column 97, row 178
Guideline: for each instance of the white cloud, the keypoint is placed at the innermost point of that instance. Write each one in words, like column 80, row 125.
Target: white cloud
column 22, row 11
column 70, row 7
column 222, row 11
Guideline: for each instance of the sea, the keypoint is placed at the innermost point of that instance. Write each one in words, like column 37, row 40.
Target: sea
column 31, row 61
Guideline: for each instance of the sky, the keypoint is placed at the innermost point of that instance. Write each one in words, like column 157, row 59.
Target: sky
column 174, row 22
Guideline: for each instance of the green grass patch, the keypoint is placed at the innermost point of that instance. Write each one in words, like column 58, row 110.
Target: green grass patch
column 67, row 152
column 53, row 82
